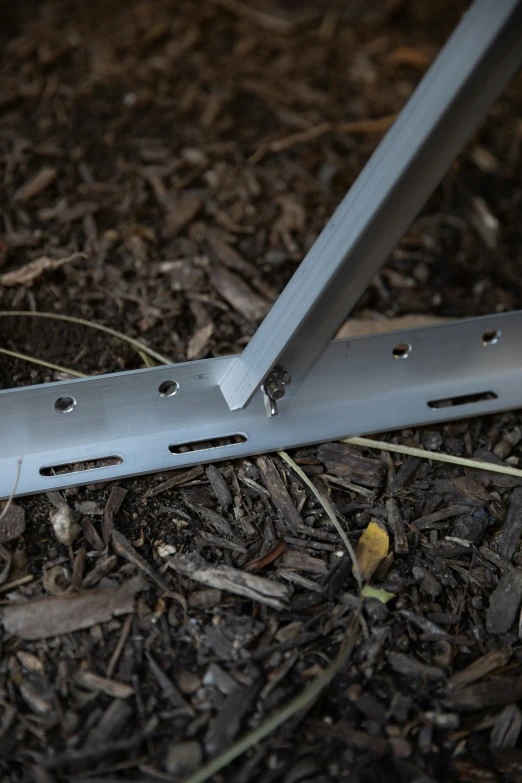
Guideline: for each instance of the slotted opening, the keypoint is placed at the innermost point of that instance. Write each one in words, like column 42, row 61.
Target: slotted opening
column 401, row 351
column 206, row 445
column 465, row 399
column 64, row 404
column 491, row 336
column 80, row 467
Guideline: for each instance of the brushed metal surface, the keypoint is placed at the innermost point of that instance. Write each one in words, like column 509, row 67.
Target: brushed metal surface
column 356, row 387
column 452, row 99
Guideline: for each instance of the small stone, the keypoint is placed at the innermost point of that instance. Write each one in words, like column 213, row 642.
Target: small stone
column 183, row 758
column 65, row 527
column 165, row 550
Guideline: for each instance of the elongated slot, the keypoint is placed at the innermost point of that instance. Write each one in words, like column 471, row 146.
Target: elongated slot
column 465, row 399
column 206, row 445
column 80, row 467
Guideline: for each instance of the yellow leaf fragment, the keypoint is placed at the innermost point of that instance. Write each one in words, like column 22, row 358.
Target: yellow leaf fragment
column 374, row 592
column 371, row 549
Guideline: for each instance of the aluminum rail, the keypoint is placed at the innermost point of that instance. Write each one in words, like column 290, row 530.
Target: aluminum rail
column 108, row 427
column 479, row 59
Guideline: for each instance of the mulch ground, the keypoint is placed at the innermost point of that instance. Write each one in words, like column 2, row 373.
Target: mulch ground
column 190, row 153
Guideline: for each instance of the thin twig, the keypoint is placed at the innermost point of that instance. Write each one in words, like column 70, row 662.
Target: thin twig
column 330, row 512
column 136, row 344
column 11, row 496
column 25, row 358
column 411, row 451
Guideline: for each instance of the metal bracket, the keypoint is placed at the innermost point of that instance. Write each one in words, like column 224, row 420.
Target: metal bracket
column 109, row 427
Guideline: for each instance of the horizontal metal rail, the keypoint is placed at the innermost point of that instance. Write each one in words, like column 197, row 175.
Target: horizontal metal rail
column 112, row 426
column 452, row 99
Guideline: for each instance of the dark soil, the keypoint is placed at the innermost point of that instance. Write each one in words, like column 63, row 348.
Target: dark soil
column 157, row 139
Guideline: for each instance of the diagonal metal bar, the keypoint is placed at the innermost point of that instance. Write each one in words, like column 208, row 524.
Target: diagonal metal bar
column 112, row 426
column 481, row 56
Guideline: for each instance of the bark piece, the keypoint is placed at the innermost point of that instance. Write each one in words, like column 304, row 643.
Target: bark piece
column 181, row 215
column 219, row 485
column 505, row 602
column 239, row 295
column 493, row 693
column 507, row 728
column 93, row 682
column 168, row 688
column 12, row 522
column 111, row 723
column 480, row 668
column 197, row 345
column 256, row 588
column 175, row 481
column 27, row 274
column 278, row 493
column 183, row 758
column 114, row 503
column 345, row 461
column 512, row 529
column 124, row 548
column 227, row 723
column 411, row 667
column 300, row 561
column 463, row 491
column 424, row 523
column 36, row 184
column 406, row 473
column 400, row 539
column 56, row 615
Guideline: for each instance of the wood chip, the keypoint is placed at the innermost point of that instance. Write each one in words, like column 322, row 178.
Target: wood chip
column 239, row 295
column 232, row 580
column 504, row 602
column 168, row 689
column 494, row 693
column 92, row 681
column 424, row 523
column 230, row 718
column 176, row 481
column 481, row 667
column 400, row 539
column 512, row 528
column 123, row 547
column 462, row 491
column 507, row 727
column 345, row 461
column 181, row 215
column 300, row 561
column 12, row 522
column 219, row 486
column 41, row 618
column 278, row 493
column 198, row 344
column 406, row 664
column 26, row 275
column 114, row 504
column 36, row 185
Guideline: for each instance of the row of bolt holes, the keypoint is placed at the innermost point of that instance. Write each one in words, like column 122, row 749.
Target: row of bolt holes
column 67, row 404
column 169, row 388
column 403, row 350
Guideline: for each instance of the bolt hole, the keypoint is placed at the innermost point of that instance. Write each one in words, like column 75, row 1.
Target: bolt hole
column 168, row 388
column 490, row 337
column 401, row 351
column 64, row 404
